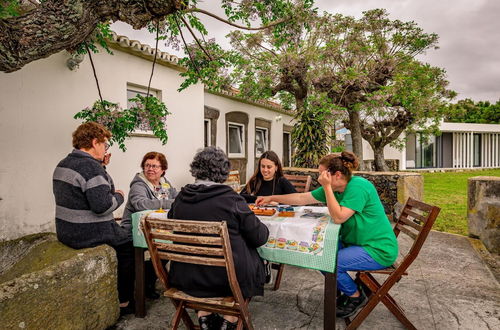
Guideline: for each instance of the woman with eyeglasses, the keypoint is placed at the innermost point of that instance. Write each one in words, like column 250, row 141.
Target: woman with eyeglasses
column 142, row 196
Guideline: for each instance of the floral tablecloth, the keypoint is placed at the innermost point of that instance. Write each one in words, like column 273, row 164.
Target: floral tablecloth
column 308, row 241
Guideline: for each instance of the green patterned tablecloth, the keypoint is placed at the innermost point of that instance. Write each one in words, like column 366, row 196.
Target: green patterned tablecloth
column 309, row 242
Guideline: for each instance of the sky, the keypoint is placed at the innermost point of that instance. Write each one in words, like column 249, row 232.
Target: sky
column 469, row 37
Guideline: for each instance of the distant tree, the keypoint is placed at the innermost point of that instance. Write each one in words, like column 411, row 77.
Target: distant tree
column 364, row 69
column 275, row 64
column 413, row 101
column 468, row 111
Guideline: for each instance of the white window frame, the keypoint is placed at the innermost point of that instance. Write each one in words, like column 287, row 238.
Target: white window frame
column 242, row 140
column 289, row 142
column 208, row 133
column 266, row 140
column 134, row 90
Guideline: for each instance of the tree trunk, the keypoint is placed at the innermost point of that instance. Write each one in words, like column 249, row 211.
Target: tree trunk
column 380, row 165
column 357, row 139
column 56, row 25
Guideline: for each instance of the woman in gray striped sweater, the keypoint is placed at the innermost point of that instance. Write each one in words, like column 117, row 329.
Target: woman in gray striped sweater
column 85, row 199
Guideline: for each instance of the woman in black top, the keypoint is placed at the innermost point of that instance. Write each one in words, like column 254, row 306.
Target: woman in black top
column 268, row 179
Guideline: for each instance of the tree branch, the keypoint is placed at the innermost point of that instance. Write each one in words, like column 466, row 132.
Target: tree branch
column 56, row 25
column 201, row 11
column 196, row 39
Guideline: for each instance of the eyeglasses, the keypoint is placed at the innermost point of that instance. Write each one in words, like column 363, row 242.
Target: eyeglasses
column 154, row 167
column 106, row 146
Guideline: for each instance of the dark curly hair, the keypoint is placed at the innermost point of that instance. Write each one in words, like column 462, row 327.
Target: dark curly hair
column 212, row 164
column 345, row 163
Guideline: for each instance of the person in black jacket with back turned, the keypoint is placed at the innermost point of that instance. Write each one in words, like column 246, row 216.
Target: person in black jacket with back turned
column 210, row 200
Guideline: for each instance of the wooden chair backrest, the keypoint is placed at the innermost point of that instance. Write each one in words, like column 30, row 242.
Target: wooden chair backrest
column 190, row 241
column 302, row 183
column 233, row 176
column 416, row 221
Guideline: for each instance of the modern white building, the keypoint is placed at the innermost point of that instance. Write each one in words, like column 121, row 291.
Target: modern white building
column 461, row 145
column 39, row 101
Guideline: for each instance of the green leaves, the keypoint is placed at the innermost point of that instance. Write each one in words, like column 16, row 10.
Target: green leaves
column 468, row 111
column 99, row 36
column 148, row 112
column 9, row 8
column 311, row 134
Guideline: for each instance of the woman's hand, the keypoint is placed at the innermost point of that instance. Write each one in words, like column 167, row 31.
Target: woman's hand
column 263, row 200
column 325, row 179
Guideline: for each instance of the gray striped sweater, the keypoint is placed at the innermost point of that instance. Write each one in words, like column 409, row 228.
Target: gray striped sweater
column 85, row 200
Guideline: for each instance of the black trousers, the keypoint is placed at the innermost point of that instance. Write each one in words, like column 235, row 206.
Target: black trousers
column 126, row 271
column 150, row 275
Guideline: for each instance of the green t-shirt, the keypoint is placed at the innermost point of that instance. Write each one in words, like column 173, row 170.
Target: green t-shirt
column 368, row 226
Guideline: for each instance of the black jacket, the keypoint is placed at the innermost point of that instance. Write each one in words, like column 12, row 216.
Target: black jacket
column 219, row 202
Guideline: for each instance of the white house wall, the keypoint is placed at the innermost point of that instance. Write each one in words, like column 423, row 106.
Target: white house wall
column 389, row 153
column 37, row 108
column 225, row 105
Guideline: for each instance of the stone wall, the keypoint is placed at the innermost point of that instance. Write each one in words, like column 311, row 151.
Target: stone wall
column 46, row 285
column 483, row 210
column 394, row 188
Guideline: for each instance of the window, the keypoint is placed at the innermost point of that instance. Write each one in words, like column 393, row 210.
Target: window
column 132, row 92
column 261, row 141
column 477, row 150
column 426, row 152
column 236, row 140
column 207, row 133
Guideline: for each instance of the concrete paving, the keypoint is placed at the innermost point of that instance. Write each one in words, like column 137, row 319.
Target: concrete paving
column 449, row 286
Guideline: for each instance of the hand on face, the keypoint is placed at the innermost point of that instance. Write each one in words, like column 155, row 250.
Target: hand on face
column 325, row 178
column 106, row 159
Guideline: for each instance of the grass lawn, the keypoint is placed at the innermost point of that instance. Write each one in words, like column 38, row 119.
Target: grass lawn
column 449, row 191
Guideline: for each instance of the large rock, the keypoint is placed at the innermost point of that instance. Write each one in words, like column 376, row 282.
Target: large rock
column 47, row 285
column 483, row 210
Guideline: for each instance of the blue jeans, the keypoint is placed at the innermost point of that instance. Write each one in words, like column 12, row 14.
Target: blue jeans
column 352, row 258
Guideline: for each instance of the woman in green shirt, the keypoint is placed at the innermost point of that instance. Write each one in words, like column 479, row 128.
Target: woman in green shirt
column 367, row 240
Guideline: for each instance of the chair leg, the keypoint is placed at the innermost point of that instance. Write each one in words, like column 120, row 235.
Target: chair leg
column 398, row 312
column 177, row 316
column 277, row 282
column 245, row 316
column 387, row 299
column 181, row 313
column 240, row 324
column 363, row 313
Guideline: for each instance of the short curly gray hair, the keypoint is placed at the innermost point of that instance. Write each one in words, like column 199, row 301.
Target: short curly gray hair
column 212, row 164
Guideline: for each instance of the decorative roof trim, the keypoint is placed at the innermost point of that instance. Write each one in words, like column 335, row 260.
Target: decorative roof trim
column 137, row 48
column 231, row 94
column 134, row 47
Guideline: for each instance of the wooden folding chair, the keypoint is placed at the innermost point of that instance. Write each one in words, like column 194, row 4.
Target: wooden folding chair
column 416, row 221
column 196, row 242
column 302, row 183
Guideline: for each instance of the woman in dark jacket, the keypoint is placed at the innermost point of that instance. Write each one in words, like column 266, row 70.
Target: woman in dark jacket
column 268, row 179
column 210, row 200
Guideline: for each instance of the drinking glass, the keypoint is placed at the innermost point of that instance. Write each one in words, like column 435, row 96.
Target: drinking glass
column 161, row 192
